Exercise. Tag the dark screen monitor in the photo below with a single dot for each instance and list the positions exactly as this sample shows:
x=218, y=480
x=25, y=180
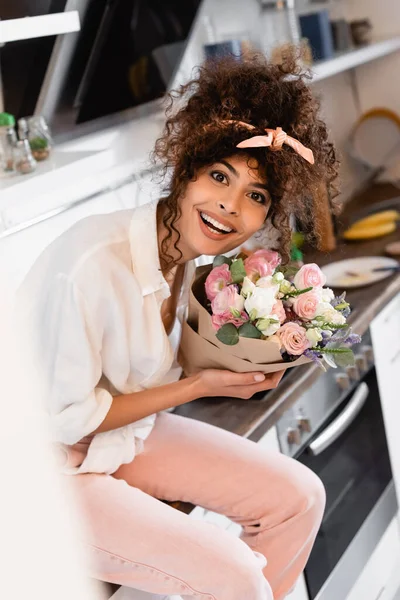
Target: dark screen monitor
x=123, y=58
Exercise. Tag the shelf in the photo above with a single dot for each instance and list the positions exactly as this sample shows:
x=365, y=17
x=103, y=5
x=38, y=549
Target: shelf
x=350, y=59
x=59, y=170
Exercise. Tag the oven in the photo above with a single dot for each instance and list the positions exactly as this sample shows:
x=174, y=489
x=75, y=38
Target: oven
x=336, y=429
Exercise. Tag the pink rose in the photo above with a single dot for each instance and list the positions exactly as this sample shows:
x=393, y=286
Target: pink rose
x=305, y=305
x=309, y=275
x=227, y=299
x=279, y=310
x=217, y=279
x=261, y=263
x=227, y=317
x=293, y=338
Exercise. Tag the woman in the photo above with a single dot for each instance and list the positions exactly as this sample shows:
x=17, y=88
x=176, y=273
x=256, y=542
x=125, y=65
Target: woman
x=107, y=301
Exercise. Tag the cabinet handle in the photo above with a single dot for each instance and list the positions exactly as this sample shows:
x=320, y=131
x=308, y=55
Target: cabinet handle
x=342, y=422
x=395, y=357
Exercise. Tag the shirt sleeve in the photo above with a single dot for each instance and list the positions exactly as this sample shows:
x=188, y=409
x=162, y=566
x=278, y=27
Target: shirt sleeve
x=70, y=339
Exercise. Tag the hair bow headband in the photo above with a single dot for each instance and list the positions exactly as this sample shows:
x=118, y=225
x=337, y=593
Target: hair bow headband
x=274, y=140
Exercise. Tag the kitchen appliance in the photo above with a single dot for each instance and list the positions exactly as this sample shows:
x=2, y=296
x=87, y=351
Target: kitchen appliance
x=336, y=429
x=115, y=68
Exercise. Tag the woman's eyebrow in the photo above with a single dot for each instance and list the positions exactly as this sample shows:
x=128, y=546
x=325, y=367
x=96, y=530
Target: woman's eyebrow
x=229, y=167
x=263, y=186
x=232, y=169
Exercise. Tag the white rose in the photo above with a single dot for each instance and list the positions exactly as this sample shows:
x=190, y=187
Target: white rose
x=247, y=287
x=325, y=294
x=266, y=327
x=267, y=282
x=338, y=318
x=314, y=335
x=259, y=303
x=329, y=314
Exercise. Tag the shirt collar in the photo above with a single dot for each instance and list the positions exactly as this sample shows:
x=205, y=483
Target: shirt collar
x=144, y=250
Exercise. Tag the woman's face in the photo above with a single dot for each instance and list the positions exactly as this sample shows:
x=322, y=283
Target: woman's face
x=222, y=208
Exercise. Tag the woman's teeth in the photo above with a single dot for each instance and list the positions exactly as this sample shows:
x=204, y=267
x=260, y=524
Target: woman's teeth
x=214, y=225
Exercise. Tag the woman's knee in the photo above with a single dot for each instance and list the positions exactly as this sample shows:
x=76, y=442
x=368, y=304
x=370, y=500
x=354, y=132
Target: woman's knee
x=306, y=490
x=286, y=490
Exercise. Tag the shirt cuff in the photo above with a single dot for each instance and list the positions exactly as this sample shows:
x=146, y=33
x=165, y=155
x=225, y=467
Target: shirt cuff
x=81, y=418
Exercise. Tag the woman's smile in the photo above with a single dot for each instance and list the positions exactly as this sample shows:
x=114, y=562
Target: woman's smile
x=214, y=226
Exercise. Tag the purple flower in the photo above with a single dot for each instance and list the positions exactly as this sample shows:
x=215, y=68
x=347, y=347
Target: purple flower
x=326, y=335
x=315, y=356
x=352, y=339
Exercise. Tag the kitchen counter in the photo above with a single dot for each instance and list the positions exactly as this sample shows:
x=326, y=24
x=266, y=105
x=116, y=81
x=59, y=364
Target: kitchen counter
x=252, y=418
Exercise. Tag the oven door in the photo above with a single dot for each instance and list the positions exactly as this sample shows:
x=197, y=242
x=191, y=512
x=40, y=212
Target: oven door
x=350, y=455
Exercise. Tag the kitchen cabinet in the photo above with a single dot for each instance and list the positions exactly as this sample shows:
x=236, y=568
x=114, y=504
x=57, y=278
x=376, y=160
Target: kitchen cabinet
x=385, y=333
x=19, y=250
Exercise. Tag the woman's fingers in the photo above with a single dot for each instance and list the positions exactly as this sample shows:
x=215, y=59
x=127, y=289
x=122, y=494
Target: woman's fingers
x=237, y=385
x=270, y=382
x=239, y=379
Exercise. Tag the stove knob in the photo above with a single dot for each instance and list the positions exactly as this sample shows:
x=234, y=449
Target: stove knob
x=304, y=424
x=343, y=381
x=293, y=436
x=353, y=372
x=368, y=352
x=361, y=362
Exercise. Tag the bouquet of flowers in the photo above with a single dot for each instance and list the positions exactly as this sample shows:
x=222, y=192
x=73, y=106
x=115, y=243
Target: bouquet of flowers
x=255, y=314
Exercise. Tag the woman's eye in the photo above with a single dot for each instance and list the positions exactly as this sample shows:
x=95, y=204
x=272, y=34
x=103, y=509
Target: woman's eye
x=218, y=176
x=257, y=197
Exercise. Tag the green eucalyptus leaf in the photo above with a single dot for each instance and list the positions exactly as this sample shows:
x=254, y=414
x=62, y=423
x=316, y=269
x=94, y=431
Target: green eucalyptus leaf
x=221, y=260
x=345, y=359
x=249, y=330
x=238, y=271
x=329, y=359
x=228, y=334
x=339, y=356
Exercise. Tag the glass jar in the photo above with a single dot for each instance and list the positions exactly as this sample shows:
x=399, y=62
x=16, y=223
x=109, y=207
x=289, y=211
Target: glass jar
x=278, y=26
x=39, y=138
x=24, y=160
x=8, y=140
x=23, y=129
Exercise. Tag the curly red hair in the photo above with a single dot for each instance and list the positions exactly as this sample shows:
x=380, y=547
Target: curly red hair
x=266, y=96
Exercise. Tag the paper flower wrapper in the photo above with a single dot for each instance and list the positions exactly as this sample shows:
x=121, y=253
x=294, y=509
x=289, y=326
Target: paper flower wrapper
x=201, y=349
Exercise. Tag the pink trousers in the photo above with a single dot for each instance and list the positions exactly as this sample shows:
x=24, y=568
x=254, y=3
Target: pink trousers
x=136, y=540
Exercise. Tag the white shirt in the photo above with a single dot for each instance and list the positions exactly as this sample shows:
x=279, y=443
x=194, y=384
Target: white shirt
x=94, y=308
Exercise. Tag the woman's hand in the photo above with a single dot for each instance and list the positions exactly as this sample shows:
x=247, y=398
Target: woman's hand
x=216, y=382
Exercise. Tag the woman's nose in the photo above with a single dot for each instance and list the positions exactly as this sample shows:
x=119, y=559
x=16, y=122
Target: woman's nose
x=230, y=205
